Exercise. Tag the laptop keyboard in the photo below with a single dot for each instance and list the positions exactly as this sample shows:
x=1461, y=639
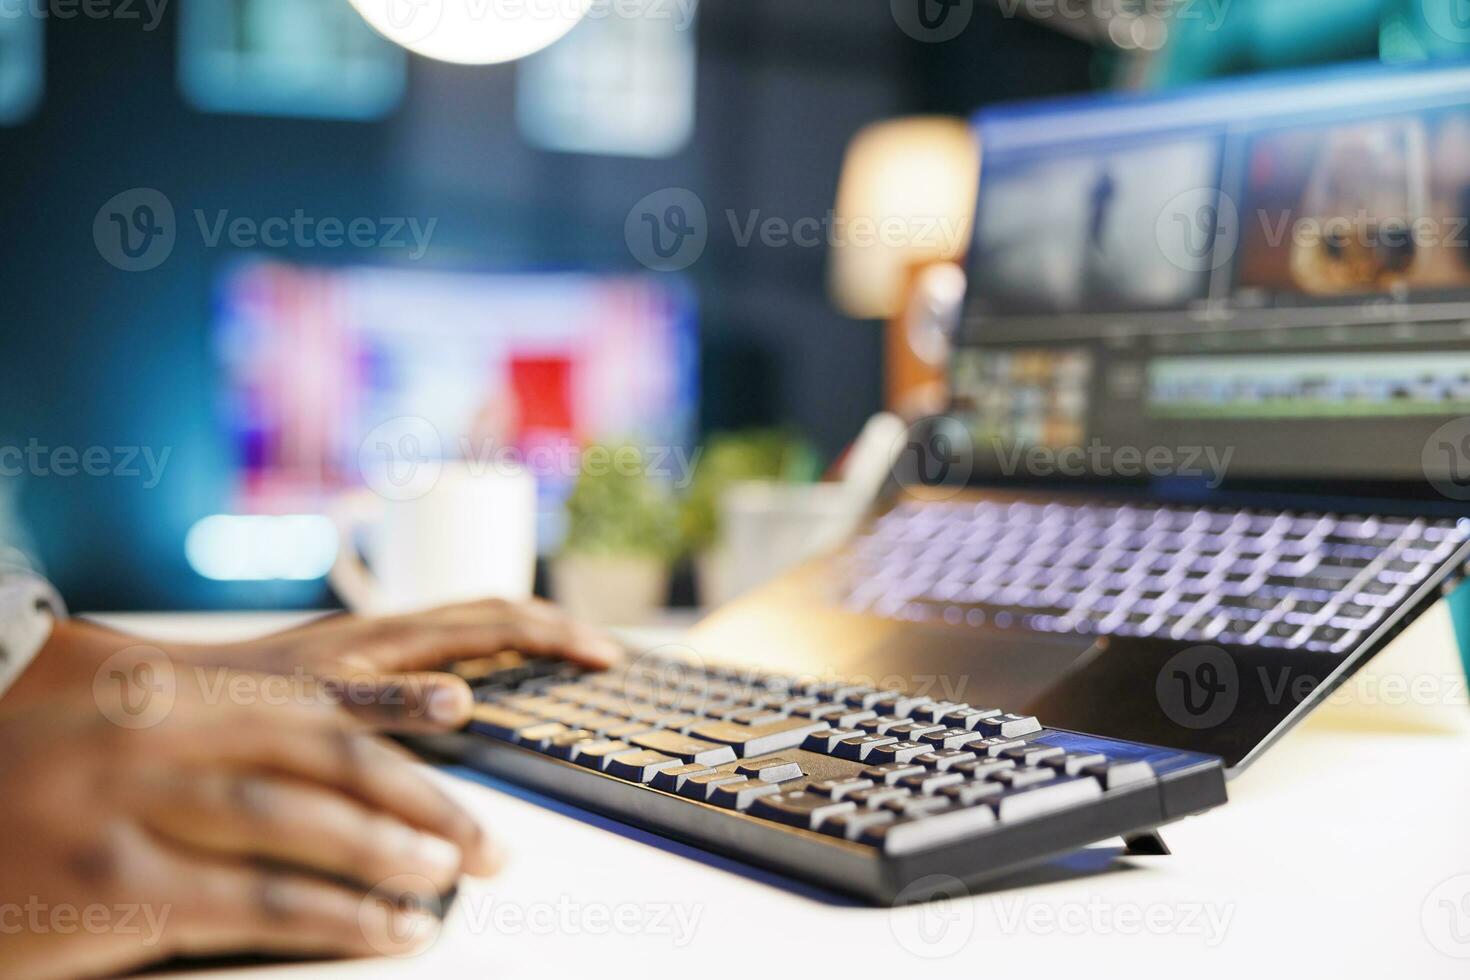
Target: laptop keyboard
x=897, y=773
x=1317, y=582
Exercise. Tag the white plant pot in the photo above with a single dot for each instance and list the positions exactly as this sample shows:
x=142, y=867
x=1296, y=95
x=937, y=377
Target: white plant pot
x=610, y=591
x=766, y=528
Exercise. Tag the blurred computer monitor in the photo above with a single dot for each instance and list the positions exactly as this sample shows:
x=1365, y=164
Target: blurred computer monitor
x=495, y=368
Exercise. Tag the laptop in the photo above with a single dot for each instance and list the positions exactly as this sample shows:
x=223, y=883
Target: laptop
x=1207, y=454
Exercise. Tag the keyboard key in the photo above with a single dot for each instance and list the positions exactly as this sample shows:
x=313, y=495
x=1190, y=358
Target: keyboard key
x=852, y=826
x=684, y=747
x=640, y=766
x=859, y=746
x=934, y=830
x=917, y=806
x=800, y=809
x=628, y=729
x=699, y=787
x=1017, y=778
x=837, y=715
x=739, y=794
x=761, y=739
x=1010, y=726
x=1074, y=763
x=992, y=746
x=942, y=760
x=826, y=742
x=839, y=789
x=1060, y=795
x=895, y=752
x=755, y=716
x=875, y=798
x=503, y=723
x=1117, y=775
x=672, y=780
x=950, y=738
x=934, y=711
x=1031, y=755
x=929, y=783
x=865, y=697
x=910, y=731
x=568, y=744
x=773, y=770
x=970, y=793
x=539, y=737
x=595, y=755
x=880, y=724
x=901, y=705
x=890, y=773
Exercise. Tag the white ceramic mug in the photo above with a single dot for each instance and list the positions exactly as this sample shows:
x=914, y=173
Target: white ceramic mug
x=470, y=535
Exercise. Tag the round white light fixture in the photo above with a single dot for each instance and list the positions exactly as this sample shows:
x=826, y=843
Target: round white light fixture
x=473, y=32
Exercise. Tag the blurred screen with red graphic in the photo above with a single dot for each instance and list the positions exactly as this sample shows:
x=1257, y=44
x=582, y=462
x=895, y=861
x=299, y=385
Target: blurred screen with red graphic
x=525, y=369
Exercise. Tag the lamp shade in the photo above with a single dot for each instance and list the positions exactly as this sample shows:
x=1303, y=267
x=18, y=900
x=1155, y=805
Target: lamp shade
x=473, y=32
x=906, y=198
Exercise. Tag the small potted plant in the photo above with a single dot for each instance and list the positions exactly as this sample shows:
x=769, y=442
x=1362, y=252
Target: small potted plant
x=622, y=536
x=729, y=461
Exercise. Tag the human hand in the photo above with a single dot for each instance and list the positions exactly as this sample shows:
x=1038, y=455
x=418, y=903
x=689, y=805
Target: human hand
x=389, y=667
x=219, y=826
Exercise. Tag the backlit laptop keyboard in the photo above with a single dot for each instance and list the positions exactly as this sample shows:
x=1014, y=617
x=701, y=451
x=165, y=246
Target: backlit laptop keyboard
x=1317, y=582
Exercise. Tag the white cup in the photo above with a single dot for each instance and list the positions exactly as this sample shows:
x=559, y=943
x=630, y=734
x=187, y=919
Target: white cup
x=470, y=535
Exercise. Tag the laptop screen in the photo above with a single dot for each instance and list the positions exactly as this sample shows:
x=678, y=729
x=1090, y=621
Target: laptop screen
x=1250, y=281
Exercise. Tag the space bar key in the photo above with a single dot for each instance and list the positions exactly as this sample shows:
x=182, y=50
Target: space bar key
x=753, y=740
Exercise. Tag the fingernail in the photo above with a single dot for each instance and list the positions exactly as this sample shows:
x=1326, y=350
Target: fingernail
x=437, y=854
x=448, y=706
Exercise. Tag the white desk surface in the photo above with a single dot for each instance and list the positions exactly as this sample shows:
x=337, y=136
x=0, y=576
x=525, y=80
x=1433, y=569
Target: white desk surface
x=1344, y=853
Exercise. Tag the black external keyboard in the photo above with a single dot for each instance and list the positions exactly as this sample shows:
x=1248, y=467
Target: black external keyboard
x=1315, y=582
x=861, y=790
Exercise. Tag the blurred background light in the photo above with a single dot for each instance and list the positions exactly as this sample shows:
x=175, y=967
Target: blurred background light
x=21, y=65
x=310, y=58
x=618, y=85
x=473, y=32
x=260, y=548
